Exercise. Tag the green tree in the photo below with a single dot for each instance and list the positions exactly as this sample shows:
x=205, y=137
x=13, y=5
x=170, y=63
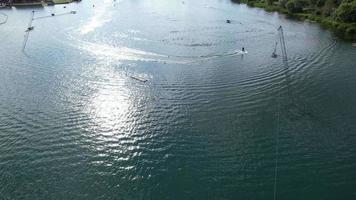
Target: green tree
x=313, y=2
x=329, y=7
x=320, y=3
x=295, y=6
x=283, y=3
x=346, y=11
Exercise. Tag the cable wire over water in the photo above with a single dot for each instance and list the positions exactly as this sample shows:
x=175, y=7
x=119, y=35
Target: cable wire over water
x=277, y=147
x=285, y=61
x=30, y=27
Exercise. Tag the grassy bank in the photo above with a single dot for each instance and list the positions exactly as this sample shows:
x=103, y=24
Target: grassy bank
x=344, y=30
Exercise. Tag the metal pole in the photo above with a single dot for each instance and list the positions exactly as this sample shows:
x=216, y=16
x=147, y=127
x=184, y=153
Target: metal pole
x=283, y=44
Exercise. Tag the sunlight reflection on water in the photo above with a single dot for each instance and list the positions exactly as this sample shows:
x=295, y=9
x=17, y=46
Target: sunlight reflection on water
x=101, y=17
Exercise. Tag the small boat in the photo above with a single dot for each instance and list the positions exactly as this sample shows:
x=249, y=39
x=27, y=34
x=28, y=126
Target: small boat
x=139, y=79
x=354, y=44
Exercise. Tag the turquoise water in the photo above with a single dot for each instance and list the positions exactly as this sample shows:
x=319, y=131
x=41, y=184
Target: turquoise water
x=74, y=124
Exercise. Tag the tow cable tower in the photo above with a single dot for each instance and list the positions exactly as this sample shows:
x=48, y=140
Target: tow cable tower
x=283, y=44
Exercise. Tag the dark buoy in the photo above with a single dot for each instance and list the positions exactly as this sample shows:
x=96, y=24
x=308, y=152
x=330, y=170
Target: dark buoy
x=228, y=21
x=53, y=14
x=30, y=29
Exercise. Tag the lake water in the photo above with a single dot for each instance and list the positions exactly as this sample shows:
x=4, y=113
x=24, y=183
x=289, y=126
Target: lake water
x=76, y=124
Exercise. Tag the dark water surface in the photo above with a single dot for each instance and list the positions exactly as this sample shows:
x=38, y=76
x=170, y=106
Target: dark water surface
x=75, y=125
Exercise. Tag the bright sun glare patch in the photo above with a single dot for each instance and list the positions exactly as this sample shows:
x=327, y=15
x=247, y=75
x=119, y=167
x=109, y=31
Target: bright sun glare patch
x=107, y=52
x=101, y=17
x=110, y=106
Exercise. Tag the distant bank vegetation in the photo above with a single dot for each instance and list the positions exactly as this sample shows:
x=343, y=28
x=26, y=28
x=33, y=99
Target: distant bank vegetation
x=33, y=2
x=340, y=15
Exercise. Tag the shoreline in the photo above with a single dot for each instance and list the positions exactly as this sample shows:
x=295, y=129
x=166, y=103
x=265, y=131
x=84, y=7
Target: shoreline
x=41, y=3
x=342, y=30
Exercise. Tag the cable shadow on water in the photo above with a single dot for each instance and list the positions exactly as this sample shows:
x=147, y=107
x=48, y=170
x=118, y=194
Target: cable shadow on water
x=298, y=107
x=297, y=111
x=5, y=18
